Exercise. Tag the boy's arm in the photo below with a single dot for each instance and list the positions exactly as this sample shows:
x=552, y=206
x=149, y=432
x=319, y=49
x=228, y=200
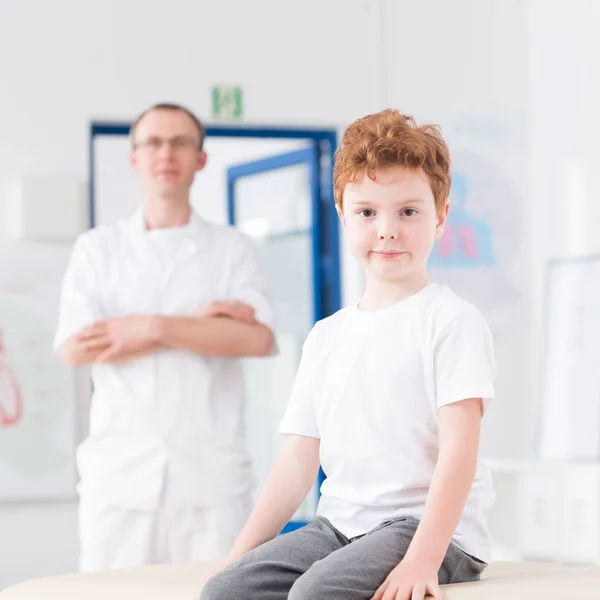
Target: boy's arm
x=296, y=470
x=464, y=372
x=285, y=489
x=459, y=432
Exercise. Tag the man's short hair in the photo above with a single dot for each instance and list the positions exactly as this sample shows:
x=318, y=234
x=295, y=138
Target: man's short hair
x=171, y=106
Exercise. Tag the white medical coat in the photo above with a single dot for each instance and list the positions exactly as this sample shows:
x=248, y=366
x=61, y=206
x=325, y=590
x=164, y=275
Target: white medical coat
x=171, y=411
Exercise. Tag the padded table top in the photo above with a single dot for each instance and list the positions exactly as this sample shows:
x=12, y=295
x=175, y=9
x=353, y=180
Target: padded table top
x=501, y=581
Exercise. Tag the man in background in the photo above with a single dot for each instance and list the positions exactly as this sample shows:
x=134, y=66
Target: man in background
x=162, y=306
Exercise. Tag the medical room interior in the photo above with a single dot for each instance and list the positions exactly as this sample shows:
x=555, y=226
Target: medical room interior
x=515, y=90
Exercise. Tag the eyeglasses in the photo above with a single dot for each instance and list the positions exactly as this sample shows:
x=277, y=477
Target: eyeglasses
x=178, y=144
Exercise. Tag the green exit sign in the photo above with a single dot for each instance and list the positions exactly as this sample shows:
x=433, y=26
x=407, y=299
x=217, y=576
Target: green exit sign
x=227, y=102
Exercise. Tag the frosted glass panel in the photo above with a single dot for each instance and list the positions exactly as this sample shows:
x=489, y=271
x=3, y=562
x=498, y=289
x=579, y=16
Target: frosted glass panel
x=274, y=209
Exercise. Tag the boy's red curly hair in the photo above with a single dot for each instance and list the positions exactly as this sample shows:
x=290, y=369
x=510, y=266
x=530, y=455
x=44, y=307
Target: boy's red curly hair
x=391, y=139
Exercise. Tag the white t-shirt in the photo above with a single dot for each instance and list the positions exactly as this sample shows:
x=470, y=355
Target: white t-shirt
x=369, y=387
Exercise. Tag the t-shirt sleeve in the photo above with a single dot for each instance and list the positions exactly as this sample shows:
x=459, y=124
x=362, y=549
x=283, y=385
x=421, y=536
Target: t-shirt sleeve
x=79, y=298
x=248, y=283
x=300, y=416
x=464, y=360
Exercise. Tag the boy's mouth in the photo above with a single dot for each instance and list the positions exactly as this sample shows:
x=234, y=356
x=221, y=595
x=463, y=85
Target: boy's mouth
x=388, y=253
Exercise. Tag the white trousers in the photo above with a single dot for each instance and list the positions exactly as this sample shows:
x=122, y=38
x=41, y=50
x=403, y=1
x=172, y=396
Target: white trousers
x=116, y=538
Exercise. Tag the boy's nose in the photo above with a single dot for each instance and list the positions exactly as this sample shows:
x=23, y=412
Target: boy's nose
x=387, y=227
x=388, y=231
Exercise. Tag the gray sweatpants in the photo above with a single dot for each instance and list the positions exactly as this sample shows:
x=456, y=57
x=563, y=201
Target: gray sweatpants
x=318, y=562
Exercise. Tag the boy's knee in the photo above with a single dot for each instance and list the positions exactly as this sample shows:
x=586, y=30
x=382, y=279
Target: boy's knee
x=223, y=586
x=310, y=586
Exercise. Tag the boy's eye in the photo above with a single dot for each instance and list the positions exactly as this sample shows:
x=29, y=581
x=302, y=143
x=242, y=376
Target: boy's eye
x=409, y=212
x=367, y=212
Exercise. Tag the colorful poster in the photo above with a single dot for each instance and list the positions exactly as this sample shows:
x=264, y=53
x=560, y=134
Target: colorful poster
x=483, y=234
x=37, y=393
x=485, y=256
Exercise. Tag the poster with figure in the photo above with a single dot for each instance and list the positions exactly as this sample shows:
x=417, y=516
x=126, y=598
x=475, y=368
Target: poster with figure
x=37, y=392
x=11, y=395
x=484, y=256
x=482, y=234
x=467, y=240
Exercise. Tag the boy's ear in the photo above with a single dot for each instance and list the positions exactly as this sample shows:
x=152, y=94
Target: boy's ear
x=441, y=220
x=340, y=214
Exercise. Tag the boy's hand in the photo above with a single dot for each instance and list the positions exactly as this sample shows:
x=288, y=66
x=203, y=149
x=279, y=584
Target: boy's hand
x=222, y=565
x=410, y=581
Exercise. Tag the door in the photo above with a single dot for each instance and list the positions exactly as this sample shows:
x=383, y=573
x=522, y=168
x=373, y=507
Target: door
x=277, y=201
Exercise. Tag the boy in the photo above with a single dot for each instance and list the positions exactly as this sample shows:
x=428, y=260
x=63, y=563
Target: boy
x=388, y=398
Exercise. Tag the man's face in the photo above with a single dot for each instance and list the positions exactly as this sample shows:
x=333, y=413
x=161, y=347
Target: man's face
x=166, y=152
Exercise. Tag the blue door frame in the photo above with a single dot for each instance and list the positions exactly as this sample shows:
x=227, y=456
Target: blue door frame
x=326, y=255
x=325, y=144
x=308, y=156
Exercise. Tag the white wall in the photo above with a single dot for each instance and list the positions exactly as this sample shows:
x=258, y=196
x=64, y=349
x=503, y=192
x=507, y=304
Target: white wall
x=463, y=64
x=65, y=63
x=564, y=96
x=39, y=537
x=37, y=540
x=107, y=60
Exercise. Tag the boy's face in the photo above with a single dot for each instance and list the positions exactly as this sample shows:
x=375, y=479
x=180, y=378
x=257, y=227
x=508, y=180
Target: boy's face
x=392, y=223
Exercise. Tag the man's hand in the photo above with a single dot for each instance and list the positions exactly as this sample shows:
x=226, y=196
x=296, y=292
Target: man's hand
x=119, y=337
x=410, y=581
x=130, y=337
x=234, y=309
